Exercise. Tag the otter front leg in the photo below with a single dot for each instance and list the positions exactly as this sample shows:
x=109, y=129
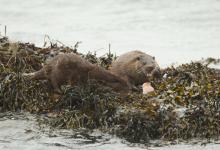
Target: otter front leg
x=131, y=86
x=56, y=85
x=135, y=88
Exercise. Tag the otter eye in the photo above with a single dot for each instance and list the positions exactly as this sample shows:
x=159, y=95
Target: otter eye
x=153, y=58
x=138, y=58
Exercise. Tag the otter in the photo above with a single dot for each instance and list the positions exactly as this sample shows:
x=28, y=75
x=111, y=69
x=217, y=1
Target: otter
x=73, y=69
x=136, y=68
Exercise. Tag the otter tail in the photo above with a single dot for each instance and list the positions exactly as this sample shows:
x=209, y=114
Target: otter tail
x=38, y=75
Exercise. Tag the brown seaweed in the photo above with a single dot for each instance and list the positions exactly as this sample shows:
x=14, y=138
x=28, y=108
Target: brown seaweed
x=193, y=87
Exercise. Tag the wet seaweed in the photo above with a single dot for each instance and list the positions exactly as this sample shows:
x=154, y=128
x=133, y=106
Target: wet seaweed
x=184, y=105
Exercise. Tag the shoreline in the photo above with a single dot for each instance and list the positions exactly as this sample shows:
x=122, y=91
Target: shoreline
x=26, y=134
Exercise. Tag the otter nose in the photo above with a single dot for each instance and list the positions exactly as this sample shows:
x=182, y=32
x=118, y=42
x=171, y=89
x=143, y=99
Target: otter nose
x=156, y=73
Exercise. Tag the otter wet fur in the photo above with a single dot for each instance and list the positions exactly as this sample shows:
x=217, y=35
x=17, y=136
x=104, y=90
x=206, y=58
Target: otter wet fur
x=136, y=68
x=73, y=69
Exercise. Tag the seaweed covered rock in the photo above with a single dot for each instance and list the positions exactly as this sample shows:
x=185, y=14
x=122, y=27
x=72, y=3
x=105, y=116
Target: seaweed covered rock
x=17, y=93
x=185, y=103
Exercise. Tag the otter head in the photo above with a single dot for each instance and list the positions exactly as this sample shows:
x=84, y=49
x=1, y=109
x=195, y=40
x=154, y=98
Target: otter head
x=147, y=65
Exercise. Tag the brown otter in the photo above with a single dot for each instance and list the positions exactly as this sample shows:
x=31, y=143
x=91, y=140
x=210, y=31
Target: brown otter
x=135, y=67
x=73, y=69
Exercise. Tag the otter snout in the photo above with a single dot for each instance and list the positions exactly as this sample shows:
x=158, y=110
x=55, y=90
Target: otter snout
x=156, y=73
x=152, y=71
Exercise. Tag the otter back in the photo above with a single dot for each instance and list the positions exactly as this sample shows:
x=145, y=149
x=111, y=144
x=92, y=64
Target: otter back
x=73, y=69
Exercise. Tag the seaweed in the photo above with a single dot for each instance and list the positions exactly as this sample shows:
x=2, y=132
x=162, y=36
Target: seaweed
x=184, y=105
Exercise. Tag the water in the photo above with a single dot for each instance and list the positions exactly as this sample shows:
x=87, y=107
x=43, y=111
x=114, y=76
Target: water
x=171, y=30
x=17, y=133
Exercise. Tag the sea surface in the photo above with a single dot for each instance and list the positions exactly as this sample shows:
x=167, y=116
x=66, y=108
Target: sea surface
x=174, y=31
x=22, y=132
